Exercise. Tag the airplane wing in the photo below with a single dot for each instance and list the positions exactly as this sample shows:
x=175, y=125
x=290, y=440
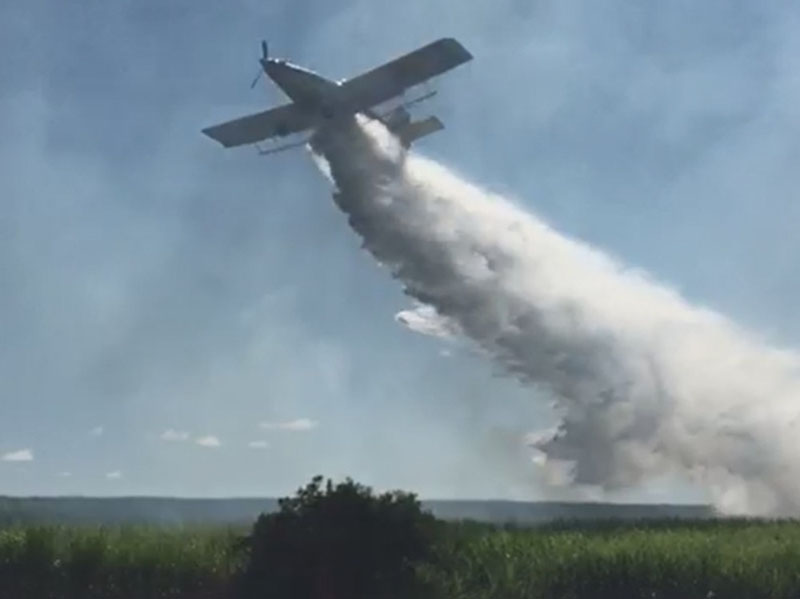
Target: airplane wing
x=393, y=78
x=276, y=122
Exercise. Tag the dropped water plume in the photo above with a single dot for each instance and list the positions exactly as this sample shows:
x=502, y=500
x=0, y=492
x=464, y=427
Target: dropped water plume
x=644, y=383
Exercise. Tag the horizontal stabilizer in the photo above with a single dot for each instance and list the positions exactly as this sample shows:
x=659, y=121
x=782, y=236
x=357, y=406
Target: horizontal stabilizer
x=417, y=129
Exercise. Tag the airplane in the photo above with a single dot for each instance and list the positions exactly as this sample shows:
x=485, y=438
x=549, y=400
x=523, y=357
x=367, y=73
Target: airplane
x=318, y=102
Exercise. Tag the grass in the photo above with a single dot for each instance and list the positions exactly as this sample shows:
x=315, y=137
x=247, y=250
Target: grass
x=657, y=560
x=654, y=560
x=117, y=562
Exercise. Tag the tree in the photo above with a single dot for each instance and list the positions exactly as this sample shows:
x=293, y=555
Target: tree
x=340, y=542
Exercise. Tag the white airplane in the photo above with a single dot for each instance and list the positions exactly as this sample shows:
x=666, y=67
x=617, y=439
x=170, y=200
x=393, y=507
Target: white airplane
x=318, y=102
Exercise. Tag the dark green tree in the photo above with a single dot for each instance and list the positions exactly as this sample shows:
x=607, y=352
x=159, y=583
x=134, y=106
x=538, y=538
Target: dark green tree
x=339, y=542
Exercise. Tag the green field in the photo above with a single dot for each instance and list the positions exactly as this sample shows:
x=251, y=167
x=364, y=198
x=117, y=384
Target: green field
x=110, y=562
x=667, y=559
x=661, y=559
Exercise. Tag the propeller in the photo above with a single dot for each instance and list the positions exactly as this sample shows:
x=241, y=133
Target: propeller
x=264, y=55
x=253, y=84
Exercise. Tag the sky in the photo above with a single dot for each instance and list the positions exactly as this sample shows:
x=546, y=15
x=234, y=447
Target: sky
x=180, y=319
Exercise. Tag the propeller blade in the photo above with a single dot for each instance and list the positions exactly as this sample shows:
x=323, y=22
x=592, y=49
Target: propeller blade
x=253, y=84
x=264, y=54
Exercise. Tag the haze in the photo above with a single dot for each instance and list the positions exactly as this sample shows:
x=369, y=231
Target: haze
x=177, y=319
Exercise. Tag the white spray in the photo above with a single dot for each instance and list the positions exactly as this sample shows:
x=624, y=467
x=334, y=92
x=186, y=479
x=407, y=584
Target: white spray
x=645, y=383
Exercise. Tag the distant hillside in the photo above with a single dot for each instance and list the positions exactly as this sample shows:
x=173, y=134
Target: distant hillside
x=163, y=510
x=546, y=511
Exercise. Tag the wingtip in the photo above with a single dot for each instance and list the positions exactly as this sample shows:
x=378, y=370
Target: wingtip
x=209, y=132
x=456, y=48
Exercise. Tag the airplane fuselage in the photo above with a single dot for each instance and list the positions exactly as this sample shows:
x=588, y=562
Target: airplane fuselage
x=307, y=89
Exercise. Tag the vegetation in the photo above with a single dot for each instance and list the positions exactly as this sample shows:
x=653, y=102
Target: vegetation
x=123, y=562
x=341, y=541
x=655, y=560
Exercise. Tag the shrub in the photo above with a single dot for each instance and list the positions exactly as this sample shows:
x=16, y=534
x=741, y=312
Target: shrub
x=340, y=542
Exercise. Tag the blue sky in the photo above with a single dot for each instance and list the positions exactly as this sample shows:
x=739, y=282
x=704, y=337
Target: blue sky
x=151, y=281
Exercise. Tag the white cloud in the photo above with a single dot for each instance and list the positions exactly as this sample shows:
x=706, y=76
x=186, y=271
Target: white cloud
x=299, y=424
x=175, y=436
x=258, y=445
x=21, y=455
x=209, y=441
x=97, y=431
x=114, y=475
x=65, y=474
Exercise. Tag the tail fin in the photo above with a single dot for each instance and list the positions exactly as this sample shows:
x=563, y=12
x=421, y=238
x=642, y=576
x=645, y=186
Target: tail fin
x=413, y=131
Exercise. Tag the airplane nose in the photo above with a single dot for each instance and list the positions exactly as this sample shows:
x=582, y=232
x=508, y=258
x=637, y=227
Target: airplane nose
x=271, y=65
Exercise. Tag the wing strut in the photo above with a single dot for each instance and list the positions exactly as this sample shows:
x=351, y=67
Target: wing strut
x=283, y=148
